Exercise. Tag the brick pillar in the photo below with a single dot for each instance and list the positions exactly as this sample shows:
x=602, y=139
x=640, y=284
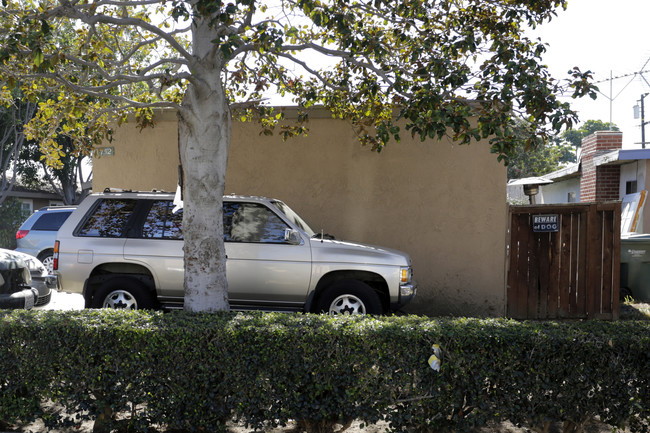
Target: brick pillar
x=600, y=183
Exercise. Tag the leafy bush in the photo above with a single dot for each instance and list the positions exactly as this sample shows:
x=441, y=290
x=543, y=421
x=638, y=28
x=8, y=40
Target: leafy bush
x=196, y=372
x=11, y=217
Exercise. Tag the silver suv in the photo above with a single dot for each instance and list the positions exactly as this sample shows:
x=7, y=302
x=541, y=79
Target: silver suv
x=125, y=250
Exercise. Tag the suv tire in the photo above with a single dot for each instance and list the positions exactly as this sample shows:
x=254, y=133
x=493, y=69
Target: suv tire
x=350, y=297
x=123, y=293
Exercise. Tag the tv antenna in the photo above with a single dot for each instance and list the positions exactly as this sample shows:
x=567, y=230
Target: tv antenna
x=611, y=79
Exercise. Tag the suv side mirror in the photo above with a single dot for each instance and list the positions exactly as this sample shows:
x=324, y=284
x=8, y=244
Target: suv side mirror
x=292, y=236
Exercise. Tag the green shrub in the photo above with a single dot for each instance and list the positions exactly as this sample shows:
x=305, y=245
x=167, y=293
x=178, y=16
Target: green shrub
x=196, y=372
x=12, y=216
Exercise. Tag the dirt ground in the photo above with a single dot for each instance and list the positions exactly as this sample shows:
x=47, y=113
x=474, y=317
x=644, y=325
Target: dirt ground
x=356, y=427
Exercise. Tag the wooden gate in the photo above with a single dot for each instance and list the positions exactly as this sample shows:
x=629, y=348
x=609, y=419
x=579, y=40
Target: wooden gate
x=569, y=273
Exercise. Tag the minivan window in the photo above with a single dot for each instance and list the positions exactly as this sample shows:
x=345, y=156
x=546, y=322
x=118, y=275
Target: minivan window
x=109, y=219
x=51, y=221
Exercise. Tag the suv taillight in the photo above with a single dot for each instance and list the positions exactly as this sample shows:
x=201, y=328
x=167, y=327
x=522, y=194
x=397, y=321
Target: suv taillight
x=21, y=234
x=55, y=256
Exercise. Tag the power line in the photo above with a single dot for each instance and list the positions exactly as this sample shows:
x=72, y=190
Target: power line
x=624, y=75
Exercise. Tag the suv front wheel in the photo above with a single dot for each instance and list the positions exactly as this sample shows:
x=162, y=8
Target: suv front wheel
x=350, y=297
x=123, y=293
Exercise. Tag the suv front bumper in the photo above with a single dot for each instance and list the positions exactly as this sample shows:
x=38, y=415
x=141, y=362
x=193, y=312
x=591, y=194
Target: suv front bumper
x=406, y=293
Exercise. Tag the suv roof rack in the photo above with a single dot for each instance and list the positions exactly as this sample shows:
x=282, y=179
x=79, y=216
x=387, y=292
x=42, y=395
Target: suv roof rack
x=57, y=207
x=116, y=190
x=107, y=190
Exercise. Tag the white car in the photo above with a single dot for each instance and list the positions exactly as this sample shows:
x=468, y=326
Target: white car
x=42, y=280
x=125, y=250
x=15, y=280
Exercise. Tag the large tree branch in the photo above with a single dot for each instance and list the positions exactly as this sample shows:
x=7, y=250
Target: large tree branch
x=73, y=12
x=332, y=53
x=126, y=56
x=122, y=79
x=103, y=92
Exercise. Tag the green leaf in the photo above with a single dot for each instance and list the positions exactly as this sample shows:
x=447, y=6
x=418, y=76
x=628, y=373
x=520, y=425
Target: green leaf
x=38, y=57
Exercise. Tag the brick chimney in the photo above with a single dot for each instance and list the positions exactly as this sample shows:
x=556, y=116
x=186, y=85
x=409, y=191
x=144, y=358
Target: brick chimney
x=600, y=183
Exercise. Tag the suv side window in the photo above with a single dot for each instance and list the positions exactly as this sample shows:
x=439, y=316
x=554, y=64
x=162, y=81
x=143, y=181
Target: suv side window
x=51, y=221
x=251, y=222
x=161, y=223
x=108, y=219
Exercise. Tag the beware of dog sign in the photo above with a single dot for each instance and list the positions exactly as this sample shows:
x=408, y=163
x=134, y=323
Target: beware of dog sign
x=546, y=223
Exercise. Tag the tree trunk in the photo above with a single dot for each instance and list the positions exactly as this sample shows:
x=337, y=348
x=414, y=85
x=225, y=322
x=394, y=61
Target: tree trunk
x=204, y=131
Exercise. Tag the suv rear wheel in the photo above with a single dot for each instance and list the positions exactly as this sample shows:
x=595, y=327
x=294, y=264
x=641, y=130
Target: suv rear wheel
x=350, y=297
x=123, y=293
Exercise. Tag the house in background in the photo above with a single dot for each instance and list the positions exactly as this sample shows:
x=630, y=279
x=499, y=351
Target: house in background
x=34, y=199
x=605, y=172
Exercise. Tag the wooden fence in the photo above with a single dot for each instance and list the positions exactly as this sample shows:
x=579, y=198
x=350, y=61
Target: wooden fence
x=564, y=261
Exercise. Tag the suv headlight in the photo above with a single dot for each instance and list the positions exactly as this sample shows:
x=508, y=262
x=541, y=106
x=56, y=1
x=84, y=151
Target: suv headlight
x=405, y=275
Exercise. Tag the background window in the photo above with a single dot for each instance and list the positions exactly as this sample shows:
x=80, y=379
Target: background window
x=630, y=187
x=27, y=206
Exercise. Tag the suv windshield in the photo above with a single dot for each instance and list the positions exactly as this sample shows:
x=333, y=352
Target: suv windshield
x=293, y=217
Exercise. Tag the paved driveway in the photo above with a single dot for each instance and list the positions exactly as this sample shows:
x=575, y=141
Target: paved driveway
x=64, y=301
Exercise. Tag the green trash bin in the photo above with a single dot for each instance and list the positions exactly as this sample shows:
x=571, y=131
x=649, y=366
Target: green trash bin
x=635, y=267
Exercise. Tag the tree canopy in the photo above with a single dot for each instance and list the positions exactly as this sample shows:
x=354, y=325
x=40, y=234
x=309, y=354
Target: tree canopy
x=24, y=164
x=545, y=157
x=428, y=68
x=575, y=135
x=12, y=140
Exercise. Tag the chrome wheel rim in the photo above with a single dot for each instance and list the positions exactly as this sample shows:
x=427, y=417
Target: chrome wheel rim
x=347, y=304
x=48, y=262
x=120, y=299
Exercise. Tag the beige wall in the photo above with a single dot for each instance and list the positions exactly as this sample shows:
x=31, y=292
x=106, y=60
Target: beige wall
x=442, y=203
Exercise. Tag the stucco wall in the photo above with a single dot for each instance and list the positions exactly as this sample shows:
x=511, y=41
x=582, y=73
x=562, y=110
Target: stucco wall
x=442, y=203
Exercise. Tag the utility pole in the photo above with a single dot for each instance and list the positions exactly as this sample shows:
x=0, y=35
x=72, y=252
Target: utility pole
x=643, y=122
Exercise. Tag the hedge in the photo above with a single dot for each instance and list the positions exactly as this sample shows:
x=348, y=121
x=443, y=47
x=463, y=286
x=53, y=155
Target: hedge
x=197, y=372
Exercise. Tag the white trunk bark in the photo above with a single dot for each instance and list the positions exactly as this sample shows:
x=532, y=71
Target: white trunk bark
x=204, y=131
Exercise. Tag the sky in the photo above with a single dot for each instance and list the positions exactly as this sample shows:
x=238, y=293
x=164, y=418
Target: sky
x=610, y=38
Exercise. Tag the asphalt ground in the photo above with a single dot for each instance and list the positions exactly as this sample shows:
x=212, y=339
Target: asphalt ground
x=64, y=301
